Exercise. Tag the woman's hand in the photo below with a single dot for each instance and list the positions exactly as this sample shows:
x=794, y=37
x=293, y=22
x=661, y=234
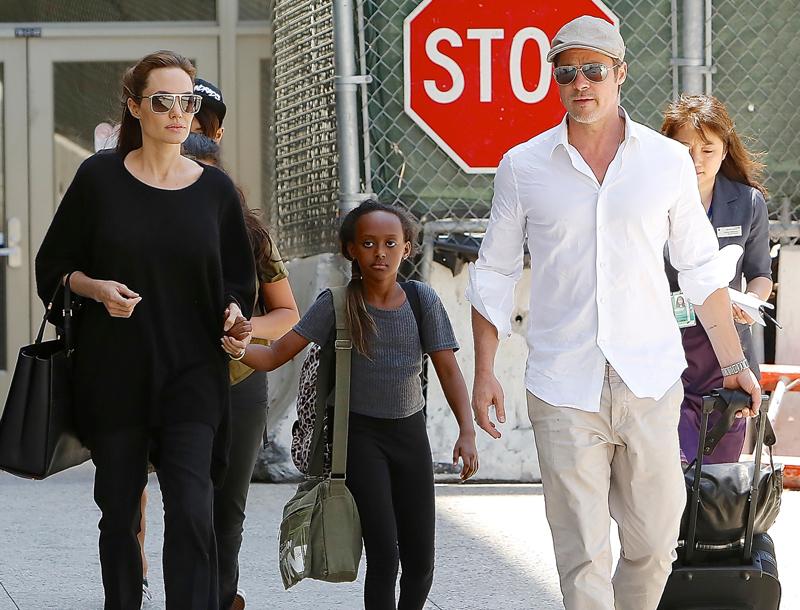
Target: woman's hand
x=232, y=313
x=235, y=347
x=118, y=299
x=466, y=450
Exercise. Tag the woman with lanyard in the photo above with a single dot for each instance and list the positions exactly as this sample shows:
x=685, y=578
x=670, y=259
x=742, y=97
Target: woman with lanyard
x=156, y=246
x=728, y=177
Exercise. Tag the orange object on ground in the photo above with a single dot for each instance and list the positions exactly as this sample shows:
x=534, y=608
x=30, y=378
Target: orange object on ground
x=771, y=374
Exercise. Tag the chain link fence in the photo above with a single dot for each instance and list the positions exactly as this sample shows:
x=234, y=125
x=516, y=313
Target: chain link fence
x=755, y=44
x=755, y=75
x=304, y=199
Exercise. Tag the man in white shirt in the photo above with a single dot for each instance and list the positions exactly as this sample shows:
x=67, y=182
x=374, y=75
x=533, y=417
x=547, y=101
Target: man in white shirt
x=597, y=197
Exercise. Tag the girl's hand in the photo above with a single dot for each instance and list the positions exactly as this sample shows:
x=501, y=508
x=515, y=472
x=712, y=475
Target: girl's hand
x=740, y=316
x=240, y=329
x=466, y=450
x=235, y=347
x=232, y=313
x=118, y=299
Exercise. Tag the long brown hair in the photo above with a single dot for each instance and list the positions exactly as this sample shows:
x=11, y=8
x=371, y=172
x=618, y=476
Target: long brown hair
x=134, y=82
x=358, y=317
x=706, y=113
x=257, y=230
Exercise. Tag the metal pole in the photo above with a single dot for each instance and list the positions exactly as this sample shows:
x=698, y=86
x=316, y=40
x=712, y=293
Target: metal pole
x=709, y=51
x=692, y=70
x=346, y=82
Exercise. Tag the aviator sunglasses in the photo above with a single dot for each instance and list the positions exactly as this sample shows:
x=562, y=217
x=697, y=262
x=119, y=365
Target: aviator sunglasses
x=594, y=72
x=161, y=103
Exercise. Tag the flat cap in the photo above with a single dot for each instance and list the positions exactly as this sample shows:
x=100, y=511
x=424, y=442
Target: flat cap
x=588, y=33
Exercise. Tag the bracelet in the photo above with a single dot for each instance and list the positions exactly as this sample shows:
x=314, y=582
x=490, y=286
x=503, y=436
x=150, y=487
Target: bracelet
x=735, y=368
x=240, y=356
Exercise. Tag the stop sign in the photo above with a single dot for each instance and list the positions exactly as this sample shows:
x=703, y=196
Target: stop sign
x=476, y=77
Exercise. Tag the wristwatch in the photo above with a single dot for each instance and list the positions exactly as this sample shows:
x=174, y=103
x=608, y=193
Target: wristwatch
x=735, y=368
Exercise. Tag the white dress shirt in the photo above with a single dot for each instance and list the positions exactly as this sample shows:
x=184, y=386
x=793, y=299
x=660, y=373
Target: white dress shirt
x=598, y=287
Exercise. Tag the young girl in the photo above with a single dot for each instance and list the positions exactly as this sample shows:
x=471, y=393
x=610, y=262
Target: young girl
x=728, y=177
x=389, y=468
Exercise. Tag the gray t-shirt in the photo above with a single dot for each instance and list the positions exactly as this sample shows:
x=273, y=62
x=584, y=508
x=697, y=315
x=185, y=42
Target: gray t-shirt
x=388, y=385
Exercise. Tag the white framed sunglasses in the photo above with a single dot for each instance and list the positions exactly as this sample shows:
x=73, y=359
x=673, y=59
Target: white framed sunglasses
x=161, y=103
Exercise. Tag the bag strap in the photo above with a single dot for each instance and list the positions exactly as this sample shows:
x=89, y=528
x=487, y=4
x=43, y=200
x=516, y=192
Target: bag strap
x=343, y=347
x=67, y=314
x=412, y=294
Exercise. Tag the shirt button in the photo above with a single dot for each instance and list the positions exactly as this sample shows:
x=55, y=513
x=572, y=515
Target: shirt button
x=602, y=300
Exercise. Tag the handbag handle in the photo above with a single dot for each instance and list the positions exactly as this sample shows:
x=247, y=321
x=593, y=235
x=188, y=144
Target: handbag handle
x=67, y=314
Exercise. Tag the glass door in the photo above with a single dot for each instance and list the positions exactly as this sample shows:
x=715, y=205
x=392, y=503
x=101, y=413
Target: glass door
x=15, y=262
x=74, y=87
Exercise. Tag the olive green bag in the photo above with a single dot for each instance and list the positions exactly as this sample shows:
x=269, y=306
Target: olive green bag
x=320, y=535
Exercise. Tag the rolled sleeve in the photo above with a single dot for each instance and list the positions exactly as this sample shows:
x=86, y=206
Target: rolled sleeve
x=693, y=248
x=499, y=266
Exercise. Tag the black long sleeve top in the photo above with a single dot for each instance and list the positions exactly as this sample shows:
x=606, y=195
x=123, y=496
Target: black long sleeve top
x=187, y=254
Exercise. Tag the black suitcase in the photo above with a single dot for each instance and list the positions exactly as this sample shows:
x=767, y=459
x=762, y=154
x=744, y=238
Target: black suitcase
x=735, y=576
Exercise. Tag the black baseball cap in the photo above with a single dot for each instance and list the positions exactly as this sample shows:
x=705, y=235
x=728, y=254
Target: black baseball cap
x=212, y=97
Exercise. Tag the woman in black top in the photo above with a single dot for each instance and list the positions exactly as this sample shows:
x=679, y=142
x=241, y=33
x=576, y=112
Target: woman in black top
x=156, y=244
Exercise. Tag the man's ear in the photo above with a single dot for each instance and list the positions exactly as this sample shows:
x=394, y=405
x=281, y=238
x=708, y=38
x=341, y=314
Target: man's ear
x=218, y=136
x=406, y=250
x=622, y=73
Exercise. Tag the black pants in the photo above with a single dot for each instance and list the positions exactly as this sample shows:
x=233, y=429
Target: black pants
x=390, y=474
x=190, y=559
x=248, y=419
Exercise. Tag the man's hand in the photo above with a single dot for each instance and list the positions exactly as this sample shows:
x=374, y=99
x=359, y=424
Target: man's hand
x=118, y=299
x=747, y=382
x=740, y=317
x=487, y=391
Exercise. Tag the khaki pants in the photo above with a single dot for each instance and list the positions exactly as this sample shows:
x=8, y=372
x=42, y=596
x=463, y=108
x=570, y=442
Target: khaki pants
x=621, y=463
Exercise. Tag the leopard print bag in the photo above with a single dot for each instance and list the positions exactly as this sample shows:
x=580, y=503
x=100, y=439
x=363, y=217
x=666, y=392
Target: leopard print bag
x=303, y=428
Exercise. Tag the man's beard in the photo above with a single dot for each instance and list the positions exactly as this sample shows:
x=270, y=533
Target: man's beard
x=586, y=117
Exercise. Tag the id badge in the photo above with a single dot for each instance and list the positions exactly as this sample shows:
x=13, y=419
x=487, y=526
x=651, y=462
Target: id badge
x=683, y=310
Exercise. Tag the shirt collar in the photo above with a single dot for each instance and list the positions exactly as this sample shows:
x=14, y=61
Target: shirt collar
x=632, y=132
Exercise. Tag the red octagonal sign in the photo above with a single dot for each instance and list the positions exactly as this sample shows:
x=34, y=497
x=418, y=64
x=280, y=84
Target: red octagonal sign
x=476, y=78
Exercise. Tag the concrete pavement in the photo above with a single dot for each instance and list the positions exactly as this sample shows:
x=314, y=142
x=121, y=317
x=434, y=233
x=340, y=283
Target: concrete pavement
x=493, y=549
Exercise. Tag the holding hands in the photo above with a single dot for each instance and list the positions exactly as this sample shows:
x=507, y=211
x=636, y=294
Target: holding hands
x=238, y=332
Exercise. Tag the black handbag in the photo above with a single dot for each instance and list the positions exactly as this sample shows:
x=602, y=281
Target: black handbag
x=728, y=502
x=38, y=435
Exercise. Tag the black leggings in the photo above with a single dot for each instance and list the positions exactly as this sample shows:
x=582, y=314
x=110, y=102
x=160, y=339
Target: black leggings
x=248, y=418
x=390, y=474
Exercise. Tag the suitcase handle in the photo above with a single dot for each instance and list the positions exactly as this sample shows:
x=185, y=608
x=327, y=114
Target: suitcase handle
x=729, y=402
